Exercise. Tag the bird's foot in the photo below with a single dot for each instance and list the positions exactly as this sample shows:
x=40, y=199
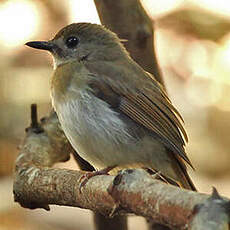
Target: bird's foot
x=159, y=176
x=84, y=179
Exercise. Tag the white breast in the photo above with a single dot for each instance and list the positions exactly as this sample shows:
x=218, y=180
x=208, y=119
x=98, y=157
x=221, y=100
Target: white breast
x=93, y=128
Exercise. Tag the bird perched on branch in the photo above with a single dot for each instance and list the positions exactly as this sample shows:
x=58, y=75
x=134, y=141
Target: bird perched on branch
x=115, y=114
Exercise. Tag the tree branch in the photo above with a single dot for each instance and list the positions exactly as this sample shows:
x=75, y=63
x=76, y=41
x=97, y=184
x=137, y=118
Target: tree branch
x=212, y=214
x=36, y=185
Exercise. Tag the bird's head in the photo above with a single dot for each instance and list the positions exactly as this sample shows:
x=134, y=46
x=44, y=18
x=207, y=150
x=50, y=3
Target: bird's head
x=82, y=41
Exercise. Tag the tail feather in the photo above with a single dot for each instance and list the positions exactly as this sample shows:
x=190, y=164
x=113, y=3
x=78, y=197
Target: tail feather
x=184, y=179
x=187, y=182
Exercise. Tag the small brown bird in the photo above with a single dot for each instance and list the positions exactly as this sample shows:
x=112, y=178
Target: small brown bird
x=115, y=114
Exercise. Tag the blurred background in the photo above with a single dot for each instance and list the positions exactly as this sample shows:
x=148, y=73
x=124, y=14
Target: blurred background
x=193, y=48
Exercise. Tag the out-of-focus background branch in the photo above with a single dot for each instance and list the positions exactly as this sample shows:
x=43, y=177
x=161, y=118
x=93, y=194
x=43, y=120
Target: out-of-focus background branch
x=193, y=50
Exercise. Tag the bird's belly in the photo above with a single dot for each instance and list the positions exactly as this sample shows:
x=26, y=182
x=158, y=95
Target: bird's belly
x=95, y=131
x=102, y=138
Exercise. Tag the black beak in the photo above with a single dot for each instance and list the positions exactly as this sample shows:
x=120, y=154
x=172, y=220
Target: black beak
x=43, y=45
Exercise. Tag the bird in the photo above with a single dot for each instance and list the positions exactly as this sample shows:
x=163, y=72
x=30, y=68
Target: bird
x=114, y=113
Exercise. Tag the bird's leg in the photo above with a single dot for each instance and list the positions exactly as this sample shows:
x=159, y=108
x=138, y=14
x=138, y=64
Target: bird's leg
x=156, y=174
x=84, y=179
x=159, y=176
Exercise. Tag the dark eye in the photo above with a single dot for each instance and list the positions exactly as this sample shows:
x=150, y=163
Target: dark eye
x=71, y=42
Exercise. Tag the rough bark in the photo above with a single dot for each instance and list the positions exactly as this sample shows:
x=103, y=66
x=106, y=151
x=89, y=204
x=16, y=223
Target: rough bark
x=36, y=185
x=212, y=214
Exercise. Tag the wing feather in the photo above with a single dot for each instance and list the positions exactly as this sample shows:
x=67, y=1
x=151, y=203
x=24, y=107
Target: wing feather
x=144, y=101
